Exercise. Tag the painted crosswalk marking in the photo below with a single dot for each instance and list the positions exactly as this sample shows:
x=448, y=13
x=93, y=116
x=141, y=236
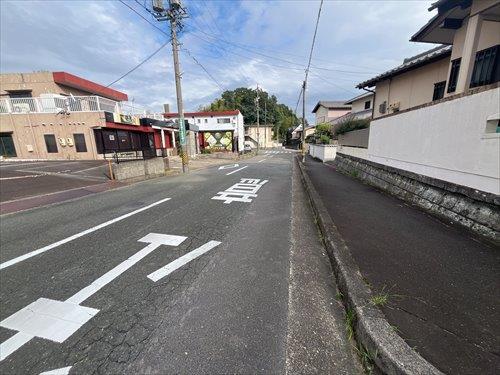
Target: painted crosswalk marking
x=243, y=191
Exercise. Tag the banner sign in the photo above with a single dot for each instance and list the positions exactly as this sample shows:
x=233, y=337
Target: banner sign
x=218, y=141
x=126, y=119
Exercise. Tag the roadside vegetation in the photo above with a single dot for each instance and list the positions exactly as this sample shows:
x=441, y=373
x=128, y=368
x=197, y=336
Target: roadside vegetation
x=350, y=124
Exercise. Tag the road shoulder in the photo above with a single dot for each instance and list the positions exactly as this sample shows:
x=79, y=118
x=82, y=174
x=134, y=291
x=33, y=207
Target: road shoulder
x=316, y=339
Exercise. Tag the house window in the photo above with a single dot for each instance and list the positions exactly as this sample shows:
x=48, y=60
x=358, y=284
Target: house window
x=438, y=90
x=223, y=120
x=367, y=104
x=50, y=143
x=455, y=68
x=80, y=144
x=486, y=67
x=206, y=121
x=15, y=94
x=198, y=120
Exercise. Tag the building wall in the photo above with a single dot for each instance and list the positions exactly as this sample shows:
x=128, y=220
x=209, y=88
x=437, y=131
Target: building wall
x=38, y=83
x=209, y=123
x=451, y=141
x=489, y=37
x=28, y=133
x=265, y=133
x=321, y=115
x=412, y=88
x=359, y=105
x=334, y=113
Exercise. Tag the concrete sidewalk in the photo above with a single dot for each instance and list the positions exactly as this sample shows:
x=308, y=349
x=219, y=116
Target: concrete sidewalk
x=442, y=285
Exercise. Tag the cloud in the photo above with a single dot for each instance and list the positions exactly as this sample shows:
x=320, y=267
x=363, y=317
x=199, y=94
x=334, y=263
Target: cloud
x=241, y=43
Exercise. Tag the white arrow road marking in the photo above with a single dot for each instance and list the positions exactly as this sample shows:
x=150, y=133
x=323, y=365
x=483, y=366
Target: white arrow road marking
x=56, y=320
x=237, y=170
x=229, y=166
x=78, y=235
x=57, y=371
x=260, y=161
x=179, y=262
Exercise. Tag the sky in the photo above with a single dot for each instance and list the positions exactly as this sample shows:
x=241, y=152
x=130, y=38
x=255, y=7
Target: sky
x=239, y=43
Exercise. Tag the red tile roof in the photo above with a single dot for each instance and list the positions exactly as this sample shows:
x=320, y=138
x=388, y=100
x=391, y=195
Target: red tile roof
x=203, y=114
x=71, y=80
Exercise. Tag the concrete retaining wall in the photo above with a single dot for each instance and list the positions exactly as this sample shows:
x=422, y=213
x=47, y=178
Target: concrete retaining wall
x=323, y=152
x=473, y=209
x=140, y=169
x=355, y=138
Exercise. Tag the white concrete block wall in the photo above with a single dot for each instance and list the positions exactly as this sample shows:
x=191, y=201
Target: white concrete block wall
x=450, y=141
x=323, y=152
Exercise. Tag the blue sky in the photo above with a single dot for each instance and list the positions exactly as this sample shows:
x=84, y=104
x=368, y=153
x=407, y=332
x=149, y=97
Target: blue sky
x=240, y=43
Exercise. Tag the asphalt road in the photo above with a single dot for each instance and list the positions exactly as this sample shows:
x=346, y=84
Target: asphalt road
x=93, y=308
x=31, y=178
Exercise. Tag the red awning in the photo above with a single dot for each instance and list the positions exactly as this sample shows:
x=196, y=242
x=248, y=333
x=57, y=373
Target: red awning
x=73, y=81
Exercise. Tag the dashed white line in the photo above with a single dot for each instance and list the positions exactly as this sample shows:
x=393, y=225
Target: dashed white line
x=179, y=262
x=237, y=170
x=260, y=161
x=78, y=235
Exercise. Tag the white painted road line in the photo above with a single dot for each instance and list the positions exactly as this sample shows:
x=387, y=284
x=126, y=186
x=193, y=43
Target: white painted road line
x=260, y=161
x=241, y=192
x=237, y=170
x=56, y=320
x=78, y=235
x=179, y=262
x=57, y=371
x=229, y=166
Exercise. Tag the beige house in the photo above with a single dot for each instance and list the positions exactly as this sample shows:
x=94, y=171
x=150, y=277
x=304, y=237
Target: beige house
x=438, y=114
x=326, y=110
x=265, y=135
x=468, y=57
x=57, y=115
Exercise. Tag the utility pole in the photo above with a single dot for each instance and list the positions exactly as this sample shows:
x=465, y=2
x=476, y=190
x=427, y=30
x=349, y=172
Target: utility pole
x=258, y=122
x=304, y=122
x=174, y=14
x=265, y=121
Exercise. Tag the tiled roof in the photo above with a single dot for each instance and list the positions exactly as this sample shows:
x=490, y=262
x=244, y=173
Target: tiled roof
x=333, y=104
x=409, y=64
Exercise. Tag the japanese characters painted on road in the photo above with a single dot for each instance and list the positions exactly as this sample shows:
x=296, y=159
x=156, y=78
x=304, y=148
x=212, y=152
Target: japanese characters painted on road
x=58, y=320
x=243, y=191
x=229, y=166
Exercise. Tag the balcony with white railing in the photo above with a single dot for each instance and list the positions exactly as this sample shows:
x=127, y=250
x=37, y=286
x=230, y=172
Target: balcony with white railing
x=58, y=104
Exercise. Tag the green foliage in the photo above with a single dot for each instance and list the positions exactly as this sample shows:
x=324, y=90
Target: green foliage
x=324, y=139
x=351, y=124
x=243, y=99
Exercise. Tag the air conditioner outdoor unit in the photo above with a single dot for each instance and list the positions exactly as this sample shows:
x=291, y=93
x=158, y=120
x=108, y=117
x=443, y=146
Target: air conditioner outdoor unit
x=382, y=107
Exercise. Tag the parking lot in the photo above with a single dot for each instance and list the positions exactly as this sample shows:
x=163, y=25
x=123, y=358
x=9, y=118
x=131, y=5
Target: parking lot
x=34, y=178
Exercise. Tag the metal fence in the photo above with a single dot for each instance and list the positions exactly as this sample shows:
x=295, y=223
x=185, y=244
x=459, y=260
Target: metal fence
x=131, y=155
x=56, y=104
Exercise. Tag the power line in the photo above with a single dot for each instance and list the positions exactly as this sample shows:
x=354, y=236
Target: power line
x=144, y=18
x=141, y=63
x=252, y=50
x=205, y=69
x=314, y=40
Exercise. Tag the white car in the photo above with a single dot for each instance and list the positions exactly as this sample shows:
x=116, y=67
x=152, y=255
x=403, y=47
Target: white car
x=247, y=148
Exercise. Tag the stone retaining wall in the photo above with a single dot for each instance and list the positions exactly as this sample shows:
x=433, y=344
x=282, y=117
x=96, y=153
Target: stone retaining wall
x=140, y=169
x=473, y=209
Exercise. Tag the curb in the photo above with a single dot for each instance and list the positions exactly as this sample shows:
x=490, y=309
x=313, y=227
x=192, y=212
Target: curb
x=392, y=354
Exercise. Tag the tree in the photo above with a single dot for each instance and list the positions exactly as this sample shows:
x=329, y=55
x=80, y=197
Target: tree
x=271, y=112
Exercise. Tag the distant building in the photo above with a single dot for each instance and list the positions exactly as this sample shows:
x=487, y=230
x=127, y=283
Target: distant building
x=57, y=115
x=216, y=131
x=266, y=133
x=326, y=111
